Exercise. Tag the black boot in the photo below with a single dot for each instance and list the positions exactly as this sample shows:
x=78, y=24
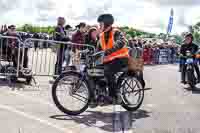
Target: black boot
x=93, y=103
x=183, y=73
x=117, y=97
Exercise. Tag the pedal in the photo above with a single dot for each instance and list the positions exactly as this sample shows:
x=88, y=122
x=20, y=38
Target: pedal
x=93, y=105
x=106, y=101
x=101, y=101
x=26, y=72
x=146, y=89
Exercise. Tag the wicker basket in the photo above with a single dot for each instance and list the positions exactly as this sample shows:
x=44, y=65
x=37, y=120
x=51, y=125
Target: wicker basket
x=135, y=64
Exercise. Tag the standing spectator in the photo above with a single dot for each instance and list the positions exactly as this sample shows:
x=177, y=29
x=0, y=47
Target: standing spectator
x=60, y=35
x=168, y=52
x=150, y=60
x=5, y=29
x=173, y=53
x=11, y=48
x=68, y=28
x=140, y=43
x=176, y=59
x=133, y=49
x=134, y=41
x=36, y=43
x=139, y=50
x=154, y=53
x=79, y=36
x=146, y=54
x=91, y=37
x=1, y=30
x=157, y=53
x=161, y=53
x=130, y=42
x=68, y=52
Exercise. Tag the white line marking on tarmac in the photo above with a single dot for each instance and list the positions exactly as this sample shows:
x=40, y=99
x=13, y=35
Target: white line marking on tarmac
x=10, y=109
x=33, y=99
x=150, y=105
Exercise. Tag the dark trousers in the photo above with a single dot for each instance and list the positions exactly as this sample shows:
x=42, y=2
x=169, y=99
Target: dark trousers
x=60, y=59
x=20, y=54
x=112, y=68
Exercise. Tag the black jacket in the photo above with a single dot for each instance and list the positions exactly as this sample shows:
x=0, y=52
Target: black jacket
x=193, y=48
x=60, y=34
x=8, y=42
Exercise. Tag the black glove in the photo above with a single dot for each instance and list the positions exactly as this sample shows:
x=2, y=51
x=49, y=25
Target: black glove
x=108, y=52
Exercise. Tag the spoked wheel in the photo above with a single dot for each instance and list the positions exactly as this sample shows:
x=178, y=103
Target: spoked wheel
x=132, y=93
x=70, y=93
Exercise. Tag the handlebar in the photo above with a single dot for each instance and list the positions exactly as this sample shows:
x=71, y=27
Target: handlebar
x=195, y=55
x=84, y=51
x=181, y=56
x=99, y=53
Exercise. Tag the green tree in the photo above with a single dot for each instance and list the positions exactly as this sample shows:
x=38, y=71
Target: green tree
x=178, y=39
x=196, y=36
x=196, y=32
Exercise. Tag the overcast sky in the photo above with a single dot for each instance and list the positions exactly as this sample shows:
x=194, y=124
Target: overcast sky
x=148, y=15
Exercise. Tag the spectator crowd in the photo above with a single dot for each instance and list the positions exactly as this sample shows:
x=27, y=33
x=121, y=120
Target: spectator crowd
x=152, y=52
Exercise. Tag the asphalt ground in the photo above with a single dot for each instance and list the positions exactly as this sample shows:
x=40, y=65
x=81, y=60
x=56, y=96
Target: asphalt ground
x=167, y=108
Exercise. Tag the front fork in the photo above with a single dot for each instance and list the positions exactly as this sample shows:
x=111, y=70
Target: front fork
x=77, y=85
x=190, y=68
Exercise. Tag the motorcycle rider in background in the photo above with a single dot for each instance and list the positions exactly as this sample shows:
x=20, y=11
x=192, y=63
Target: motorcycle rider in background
x=193, y=48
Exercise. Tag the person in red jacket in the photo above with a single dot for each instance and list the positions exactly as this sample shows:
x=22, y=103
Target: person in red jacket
x=79, y=36
x=146, y=54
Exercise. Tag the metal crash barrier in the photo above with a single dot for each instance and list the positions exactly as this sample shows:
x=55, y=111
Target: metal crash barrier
x=52, y=59
x=38, y=57
x=10, y=54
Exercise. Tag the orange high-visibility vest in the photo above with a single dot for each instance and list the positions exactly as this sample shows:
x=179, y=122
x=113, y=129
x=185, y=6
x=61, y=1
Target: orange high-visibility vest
x=121, y=53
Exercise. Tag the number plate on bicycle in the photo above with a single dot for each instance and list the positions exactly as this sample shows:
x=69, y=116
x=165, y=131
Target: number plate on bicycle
x=96, y=72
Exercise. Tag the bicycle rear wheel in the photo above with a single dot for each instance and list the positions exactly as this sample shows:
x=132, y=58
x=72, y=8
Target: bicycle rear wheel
x=132, y=93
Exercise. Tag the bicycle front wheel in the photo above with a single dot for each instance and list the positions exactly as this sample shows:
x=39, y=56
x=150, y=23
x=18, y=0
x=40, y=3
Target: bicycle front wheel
x=70, y=93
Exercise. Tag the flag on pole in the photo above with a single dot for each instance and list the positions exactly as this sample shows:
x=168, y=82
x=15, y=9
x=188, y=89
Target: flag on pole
x=170, y=24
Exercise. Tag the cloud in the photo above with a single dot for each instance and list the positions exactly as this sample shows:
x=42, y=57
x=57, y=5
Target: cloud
x=45, y=5
x=151, y=15
x=92, y=12
x=5, y=5
x=175, y=2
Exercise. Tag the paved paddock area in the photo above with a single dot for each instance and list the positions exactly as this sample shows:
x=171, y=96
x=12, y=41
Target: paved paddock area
x=167, y=108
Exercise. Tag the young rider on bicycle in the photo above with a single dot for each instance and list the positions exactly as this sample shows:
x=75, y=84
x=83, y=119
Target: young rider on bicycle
x=112, y=42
